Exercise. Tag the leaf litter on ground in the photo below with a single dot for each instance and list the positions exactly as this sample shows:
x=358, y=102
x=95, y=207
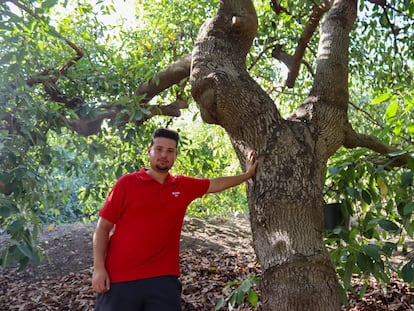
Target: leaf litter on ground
x=216, y=257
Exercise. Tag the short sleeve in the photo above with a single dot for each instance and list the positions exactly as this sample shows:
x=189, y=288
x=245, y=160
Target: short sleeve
x=198, y=186
x=112, y=208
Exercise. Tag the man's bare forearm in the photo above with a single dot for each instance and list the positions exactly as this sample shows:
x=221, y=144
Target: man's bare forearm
x=100, y=243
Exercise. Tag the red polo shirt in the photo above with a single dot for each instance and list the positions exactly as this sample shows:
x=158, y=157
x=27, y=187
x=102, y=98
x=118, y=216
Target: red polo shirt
x=148, y=217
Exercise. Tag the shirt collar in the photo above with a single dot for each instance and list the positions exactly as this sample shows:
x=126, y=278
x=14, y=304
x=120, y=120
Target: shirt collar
x=143, y=175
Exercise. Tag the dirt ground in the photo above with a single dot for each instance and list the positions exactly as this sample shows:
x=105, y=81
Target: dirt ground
x=68, y=247
x=214, y=252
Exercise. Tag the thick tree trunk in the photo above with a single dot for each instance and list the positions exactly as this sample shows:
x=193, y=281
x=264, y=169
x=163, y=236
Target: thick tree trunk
x=287, y=225
x=285, y=197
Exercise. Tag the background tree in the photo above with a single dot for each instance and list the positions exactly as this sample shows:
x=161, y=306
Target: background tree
x=58, y=79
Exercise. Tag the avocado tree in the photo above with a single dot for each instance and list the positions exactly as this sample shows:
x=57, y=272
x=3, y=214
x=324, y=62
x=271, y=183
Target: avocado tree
x=286, y=196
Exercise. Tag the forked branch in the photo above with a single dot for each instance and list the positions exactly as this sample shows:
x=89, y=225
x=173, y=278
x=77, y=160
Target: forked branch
x=293, y=62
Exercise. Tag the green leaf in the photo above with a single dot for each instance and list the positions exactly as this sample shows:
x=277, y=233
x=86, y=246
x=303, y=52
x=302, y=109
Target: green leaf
x=388, y=248
x=382, y=185
x=410, y=163
x=48, y=4
x=352, y=192
x=219, y=304
x=145, y=111
x=410, y=129
x=232, y=283
x=245, y=285
x=363, y=289
x=138, y=115
x=25, y=250
x=240, y=296
x=123, y=100
x=364, y=262
x=397, y=153
x=407, y=272
x=372, y=251
x=381, y=98
x=389, y=225
x=233, y=298
x=253, y=298
x=408, y=209
x=392, y=109
x=15, y=227
x=408, y=226
x=366, y=197
x=119, y=172
x=7, y=209
x=52, y=31
x=409, y=102
x=334, y=170
x=384, y=20
x=349, y=268
x=407, y=179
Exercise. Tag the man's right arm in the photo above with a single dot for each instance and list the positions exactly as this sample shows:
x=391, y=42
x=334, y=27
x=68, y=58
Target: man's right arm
x=224, y=182
x=100, y=277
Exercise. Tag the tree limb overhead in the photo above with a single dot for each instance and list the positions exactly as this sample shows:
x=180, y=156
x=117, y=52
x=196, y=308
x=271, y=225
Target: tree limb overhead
x=293, y=62
x=164, y=79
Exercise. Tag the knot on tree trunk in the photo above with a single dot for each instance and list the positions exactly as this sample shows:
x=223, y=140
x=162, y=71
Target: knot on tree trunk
x=219, y=56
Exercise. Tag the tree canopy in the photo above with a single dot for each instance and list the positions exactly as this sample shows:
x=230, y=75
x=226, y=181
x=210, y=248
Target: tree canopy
x=79, y=98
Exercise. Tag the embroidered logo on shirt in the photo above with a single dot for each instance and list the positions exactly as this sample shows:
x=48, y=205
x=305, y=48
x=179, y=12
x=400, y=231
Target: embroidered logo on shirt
x=176, y=193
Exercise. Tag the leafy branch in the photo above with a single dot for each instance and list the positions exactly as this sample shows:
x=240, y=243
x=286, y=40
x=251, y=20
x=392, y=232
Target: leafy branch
x=88, y=125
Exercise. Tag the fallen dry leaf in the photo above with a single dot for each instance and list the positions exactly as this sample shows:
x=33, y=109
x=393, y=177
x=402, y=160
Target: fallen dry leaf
x=214, y=253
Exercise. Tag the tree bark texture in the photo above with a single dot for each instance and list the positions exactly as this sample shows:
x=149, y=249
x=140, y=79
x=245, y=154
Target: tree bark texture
x=285, y=197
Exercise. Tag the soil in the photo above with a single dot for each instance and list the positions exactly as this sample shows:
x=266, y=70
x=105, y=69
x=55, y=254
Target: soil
x=68, y=247
x=214, y=252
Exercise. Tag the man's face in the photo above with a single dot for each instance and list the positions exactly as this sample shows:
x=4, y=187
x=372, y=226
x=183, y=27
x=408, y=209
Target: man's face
x=162, y=154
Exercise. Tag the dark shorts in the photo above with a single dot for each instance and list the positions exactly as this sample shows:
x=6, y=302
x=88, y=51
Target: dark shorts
x=152, y=294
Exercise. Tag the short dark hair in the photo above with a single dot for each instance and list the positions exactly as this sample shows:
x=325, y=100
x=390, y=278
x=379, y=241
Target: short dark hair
x=166, y=133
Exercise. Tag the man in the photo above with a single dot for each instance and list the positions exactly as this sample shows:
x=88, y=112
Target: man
x=137, y=239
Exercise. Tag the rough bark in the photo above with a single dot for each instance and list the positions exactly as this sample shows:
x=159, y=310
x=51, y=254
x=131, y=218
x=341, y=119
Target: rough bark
x=285, y=197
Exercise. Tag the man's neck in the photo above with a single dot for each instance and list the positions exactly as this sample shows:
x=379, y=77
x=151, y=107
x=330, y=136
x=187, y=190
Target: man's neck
x=158, y=176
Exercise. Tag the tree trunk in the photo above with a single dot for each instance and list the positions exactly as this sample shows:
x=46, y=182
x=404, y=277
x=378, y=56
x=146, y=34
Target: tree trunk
x=285, y=197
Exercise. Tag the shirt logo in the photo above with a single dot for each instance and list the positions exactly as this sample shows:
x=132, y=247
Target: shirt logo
x=176, y=193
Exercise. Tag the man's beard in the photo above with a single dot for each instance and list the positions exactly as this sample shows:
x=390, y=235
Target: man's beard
x=162, y=168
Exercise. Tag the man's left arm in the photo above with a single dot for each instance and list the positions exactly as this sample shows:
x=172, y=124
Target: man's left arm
x=222, y=183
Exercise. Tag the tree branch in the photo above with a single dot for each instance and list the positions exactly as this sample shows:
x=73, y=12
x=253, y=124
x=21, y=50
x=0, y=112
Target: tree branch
x=49, y=77
x=172, y=110
x=382, y=3
x=277, y=8
x=164, y=79
x=293, y=62
x=161, y=81
x=78, y=50
x=354, y=140
x=86, y=125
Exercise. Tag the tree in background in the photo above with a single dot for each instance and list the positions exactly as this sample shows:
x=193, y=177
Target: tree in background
x=93, y=92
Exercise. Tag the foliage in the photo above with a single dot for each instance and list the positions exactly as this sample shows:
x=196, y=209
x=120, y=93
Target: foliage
x=377, y=200
x=379, y=205
x=206, y=151
x=38, y=146
x=244, y=291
